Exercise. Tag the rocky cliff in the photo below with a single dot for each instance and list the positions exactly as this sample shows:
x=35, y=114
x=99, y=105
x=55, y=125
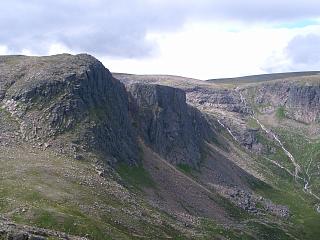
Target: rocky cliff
x=226, y=106
x=52, y=97
x=65, y=94
x=299, y=100
x=168, y=124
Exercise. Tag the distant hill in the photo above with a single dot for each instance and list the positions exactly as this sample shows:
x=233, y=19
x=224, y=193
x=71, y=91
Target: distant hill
x=263, y=77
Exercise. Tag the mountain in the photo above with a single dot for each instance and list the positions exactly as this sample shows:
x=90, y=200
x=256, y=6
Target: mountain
x=86, y=154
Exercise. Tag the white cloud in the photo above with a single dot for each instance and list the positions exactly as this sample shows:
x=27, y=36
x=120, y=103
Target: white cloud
x=3, y=50
x=209, y=50
x=57, y=48
x=301, y=53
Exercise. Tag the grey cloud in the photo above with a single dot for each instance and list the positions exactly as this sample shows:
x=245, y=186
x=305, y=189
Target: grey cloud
x=301, y=54
x=119, y=27
x=304, y=49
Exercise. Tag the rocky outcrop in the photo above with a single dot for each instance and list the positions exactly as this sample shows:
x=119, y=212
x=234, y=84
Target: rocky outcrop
x=300, y=101
x=212, y=99
x=76, y=96
x=254, y=203
x=65, y=94
x=228, y=107
x=241, y=133
x=168, y=124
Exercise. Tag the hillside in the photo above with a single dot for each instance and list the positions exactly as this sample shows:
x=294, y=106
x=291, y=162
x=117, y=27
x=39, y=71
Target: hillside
x=264, y=77
x=86, y=154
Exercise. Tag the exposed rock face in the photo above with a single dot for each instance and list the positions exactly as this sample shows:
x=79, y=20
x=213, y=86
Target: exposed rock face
x=300, y=101
x=172, y=128
x=224, y=99
x=50, y=96
x=228, y=107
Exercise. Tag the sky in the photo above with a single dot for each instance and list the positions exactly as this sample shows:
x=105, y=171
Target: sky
x=202, y=39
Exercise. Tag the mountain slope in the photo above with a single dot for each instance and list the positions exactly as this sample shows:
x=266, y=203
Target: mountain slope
x=84, y=155
x=275, y=122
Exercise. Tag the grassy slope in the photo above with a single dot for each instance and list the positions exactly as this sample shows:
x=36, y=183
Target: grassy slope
x=48, y=190
x=304, y=222
x=287, y=191
x=282, y=189
x=52, y=191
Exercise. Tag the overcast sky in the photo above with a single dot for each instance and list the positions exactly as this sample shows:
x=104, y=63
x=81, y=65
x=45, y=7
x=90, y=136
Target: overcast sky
x=195, y=38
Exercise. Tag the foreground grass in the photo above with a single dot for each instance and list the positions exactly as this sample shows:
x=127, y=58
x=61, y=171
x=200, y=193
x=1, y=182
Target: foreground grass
x=51, y=191
x=42, y=189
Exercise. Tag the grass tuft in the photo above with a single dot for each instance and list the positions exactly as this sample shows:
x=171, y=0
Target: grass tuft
x=281, y=113
x=185, y=168
x=136, y=176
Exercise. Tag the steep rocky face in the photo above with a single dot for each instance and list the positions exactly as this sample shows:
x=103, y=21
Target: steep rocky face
x=50, y=96
x=225, y=104
x=224, y=99
x=300, y=101
x=166, y=123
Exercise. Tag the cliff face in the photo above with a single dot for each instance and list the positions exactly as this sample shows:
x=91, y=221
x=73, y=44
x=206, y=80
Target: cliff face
x=300, y=101
x=50, y=96
x=171, y=127
x=77, y=96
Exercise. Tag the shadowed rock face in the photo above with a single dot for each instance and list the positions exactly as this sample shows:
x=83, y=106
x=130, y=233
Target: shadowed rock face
x=50, y=96
x=171, y=127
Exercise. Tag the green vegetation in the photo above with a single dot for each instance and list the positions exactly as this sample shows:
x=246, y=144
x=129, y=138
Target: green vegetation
x=63, y=194
x=69, y=221
x=269, y=231
x=274, y=152
x=280, y=113
x=252, y=123
x=285, y=190
x=303, y=215
x=216, y=231
x=185, y=168
x=136, y=176
x=305, y=151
